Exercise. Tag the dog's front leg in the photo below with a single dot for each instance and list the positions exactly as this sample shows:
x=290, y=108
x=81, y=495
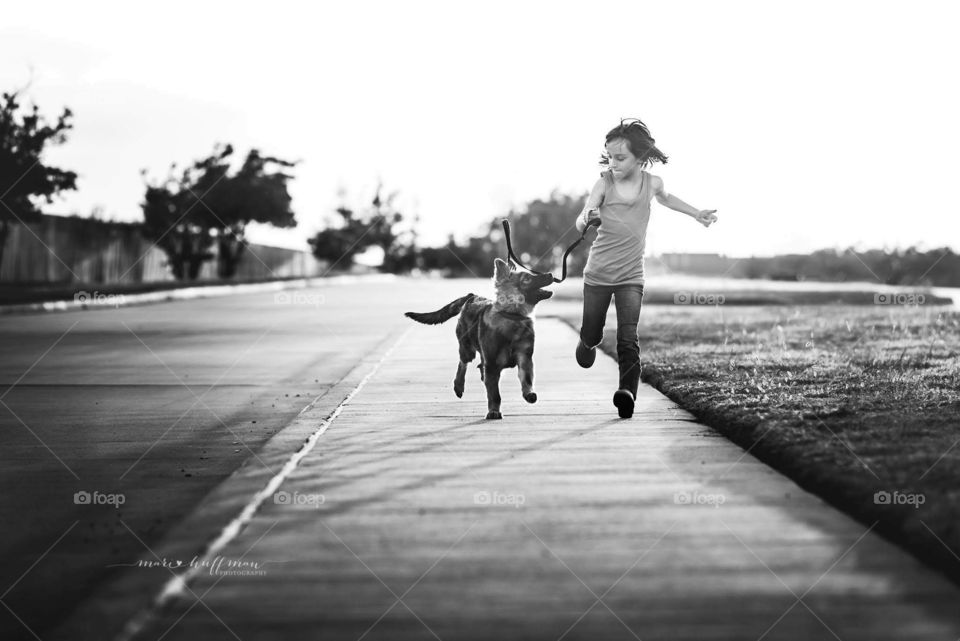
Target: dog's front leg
x=491, y=378
x=525, y=372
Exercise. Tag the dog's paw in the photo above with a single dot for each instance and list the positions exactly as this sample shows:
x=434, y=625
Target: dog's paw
x=530, y=397
x=458, y=390
x=494, y=415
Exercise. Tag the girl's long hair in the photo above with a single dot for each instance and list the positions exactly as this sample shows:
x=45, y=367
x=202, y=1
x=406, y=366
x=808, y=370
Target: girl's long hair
x=639, y=141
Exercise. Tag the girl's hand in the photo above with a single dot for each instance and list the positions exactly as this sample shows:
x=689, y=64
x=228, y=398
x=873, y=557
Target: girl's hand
x=592, y=215
x=706, y=216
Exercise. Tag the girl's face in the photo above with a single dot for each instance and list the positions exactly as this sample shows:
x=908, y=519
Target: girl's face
x=623, y=164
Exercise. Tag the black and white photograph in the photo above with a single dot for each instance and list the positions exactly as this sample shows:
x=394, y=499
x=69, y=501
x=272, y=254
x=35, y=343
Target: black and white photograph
x=443, y=321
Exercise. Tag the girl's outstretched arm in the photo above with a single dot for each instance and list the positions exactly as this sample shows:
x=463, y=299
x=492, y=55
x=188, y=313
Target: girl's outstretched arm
x=702, y=216
x=594, y=200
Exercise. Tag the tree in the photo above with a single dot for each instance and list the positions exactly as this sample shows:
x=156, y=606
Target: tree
x=24, y=136
x=186, y=215
x=390, y=232
x=339, y=244
x=172, y=220
x=253, y=194
x=382, y=225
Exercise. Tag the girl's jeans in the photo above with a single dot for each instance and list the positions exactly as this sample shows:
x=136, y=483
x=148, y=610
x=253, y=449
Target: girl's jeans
x=627, y=298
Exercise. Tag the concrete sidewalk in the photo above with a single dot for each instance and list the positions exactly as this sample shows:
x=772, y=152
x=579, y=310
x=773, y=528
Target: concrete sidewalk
x=410, y=517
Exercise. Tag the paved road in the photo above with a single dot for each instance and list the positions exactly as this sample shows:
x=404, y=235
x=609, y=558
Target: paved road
x=407, y=516
x=158, y=403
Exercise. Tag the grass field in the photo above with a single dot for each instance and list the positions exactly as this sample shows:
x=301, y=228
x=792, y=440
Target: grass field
x=858, y=404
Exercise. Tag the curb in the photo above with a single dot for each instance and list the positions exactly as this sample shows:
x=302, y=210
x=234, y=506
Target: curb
x=187, y=293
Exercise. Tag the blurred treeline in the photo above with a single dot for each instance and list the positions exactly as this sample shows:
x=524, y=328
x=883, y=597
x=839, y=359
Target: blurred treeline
x=935, y=267
x=542, y=229
x=540, y=232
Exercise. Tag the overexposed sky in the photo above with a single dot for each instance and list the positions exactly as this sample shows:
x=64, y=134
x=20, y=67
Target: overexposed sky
x=805, y=124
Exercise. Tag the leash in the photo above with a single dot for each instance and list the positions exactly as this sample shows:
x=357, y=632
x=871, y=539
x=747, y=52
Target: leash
x=563, y=274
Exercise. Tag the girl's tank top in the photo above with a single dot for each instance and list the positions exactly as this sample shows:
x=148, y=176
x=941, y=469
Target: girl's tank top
x=616, y=257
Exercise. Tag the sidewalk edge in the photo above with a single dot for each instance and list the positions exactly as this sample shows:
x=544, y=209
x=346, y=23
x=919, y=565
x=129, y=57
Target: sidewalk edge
x=190, y=293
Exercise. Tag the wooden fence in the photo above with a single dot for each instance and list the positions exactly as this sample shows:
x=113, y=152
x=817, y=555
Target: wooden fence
x=62, y=250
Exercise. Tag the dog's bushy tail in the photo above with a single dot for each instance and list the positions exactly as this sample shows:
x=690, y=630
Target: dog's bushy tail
x=443, y=314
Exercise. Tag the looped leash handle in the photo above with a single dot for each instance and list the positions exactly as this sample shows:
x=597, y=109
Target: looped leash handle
x=563, y=273
x=510, y=254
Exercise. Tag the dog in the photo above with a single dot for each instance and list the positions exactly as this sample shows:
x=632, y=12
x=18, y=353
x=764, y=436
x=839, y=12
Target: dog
x=501, y=330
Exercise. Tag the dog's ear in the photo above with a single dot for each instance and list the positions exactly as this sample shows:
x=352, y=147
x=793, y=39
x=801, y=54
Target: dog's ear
x=500, y=269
